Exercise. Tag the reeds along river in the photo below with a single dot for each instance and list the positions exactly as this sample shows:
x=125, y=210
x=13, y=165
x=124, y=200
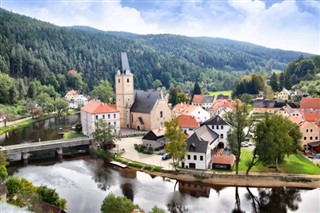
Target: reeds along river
x=85, y=182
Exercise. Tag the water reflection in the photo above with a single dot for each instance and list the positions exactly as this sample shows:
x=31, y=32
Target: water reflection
x=275, y=199
x=42, y=130
x=86, y=182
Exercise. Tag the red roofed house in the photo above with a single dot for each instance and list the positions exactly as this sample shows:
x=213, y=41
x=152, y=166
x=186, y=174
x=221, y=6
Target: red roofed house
x=310, y=115
x=188, y=124
x=205, y=101
x=95, y=110
x=223, y=162
x=196, y=111
x=310, y=103
x=310, y=131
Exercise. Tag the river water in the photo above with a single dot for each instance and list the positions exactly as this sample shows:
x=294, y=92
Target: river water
x=85, y=182
x=43, y=130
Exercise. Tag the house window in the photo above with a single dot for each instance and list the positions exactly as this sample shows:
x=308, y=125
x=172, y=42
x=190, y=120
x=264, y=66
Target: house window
x=118, y=80
x=221, y=136
x=161, y=114
x=311, y=138
x=221, y=127
x=103, y=116
x=114, y=115
x=109, y=123
x=127, y=80
x=188, y=157
x=194, y=157
x=217, y=127
x=307, y=130
x=201, y=158
x=108, y=115
x=305, y=138
x=96, y=116
x=212, y=126
x=316, y=138
x=114, y=123
x=310, y=130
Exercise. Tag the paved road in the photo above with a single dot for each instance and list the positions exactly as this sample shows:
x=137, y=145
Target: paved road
x=131, y=154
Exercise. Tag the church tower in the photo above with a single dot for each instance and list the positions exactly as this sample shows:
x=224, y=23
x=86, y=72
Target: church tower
x=124, y=91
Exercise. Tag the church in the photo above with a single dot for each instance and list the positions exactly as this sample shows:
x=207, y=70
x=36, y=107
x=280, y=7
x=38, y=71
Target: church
x=138, y=109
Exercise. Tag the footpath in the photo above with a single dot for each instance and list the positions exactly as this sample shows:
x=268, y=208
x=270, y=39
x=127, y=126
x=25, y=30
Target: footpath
x=9, y=123
x=254, y=179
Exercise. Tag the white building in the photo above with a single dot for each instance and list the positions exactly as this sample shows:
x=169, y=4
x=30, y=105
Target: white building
x=219, y=126
x=188, y=124
x=200, y=145
x=95, y=110
x=195, y=111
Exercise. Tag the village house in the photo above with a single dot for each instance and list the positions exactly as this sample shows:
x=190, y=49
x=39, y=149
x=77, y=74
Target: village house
x=200, y=145
x=155, y=139
x=267, y=106
x=221, y=107
x=219, y=126
x=205, y=101
x=194, y=189
x=138, y=109
x=75, y=99
x=188, y=124
x=198, y=112
x=95, y=110
x=310, y=131
x=284, y=94
x=310, y=103
x=287, y=111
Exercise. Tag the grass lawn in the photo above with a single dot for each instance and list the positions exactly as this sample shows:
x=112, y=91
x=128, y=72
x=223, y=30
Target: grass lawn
x=70, y=135
x=295, y=163
x=226, y=92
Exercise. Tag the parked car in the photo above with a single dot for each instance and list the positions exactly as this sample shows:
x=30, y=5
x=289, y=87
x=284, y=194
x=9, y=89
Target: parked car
x=317, y=156
x=244, y=144
x=166, y=156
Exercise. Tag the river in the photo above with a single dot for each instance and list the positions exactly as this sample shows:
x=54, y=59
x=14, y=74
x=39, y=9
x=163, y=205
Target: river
x=43, y=130
x=85, y=182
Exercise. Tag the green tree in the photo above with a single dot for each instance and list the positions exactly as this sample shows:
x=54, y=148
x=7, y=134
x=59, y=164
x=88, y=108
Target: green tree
x=176, y=144
x=173, y=96
x=45, y=102
x=281, y=81
x=246, y=98
x=78, y=128
x=269, y=93
x=238, y=120
x=6, y=89
x=32, y=91
x=103, y=92
x=51, y=196
x=112, y=204
x=61, y=106
x=274, y=82
x=196, y=89
x=156, y=209
x=3, y=172
x=157, y=84
x=275, y=137
x=104, y=134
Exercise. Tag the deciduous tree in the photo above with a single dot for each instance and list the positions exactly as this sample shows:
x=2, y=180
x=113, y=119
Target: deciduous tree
x=176, y=141
x=112, y=204
x=104, y=134
x=103, y=92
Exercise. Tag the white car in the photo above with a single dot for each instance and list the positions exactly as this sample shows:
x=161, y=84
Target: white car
x=244, y=144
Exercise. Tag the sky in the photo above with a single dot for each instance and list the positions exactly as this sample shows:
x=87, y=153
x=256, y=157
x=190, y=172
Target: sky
x=282, y=24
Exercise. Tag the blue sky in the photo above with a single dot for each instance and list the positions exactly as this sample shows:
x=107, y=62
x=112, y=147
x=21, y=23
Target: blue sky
x=287, y=24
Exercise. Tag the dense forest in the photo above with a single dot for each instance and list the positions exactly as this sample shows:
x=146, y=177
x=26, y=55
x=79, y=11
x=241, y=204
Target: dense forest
x=39, y=50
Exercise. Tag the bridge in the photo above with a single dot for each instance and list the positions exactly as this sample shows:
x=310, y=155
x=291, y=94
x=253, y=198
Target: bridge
x=57, y=145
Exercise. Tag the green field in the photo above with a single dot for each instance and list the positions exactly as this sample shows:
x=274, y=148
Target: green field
x=294, y=164
x=226, y=92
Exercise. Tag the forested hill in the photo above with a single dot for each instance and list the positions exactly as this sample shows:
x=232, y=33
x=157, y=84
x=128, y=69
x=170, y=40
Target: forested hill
x=35, y=49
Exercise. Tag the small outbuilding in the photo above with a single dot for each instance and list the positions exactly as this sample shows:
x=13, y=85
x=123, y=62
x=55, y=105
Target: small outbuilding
x=223, y=162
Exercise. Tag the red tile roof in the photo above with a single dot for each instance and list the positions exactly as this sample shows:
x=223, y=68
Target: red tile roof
x=184, y=109
x=186, y=121
x=223, y=160
x=310, y=103
x=311, y=115
x=159, y=132
x=98, y=107
x=222, y=104
x=198, y=99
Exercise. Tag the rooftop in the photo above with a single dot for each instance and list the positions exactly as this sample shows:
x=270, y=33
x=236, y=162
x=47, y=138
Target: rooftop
x=98, y=107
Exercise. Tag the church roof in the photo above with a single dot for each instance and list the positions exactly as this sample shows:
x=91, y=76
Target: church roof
x=145, y=101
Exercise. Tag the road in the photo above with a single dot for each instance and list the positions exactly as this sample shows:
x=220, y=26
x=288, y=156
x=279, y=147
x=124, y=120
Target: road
x=131, y=154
